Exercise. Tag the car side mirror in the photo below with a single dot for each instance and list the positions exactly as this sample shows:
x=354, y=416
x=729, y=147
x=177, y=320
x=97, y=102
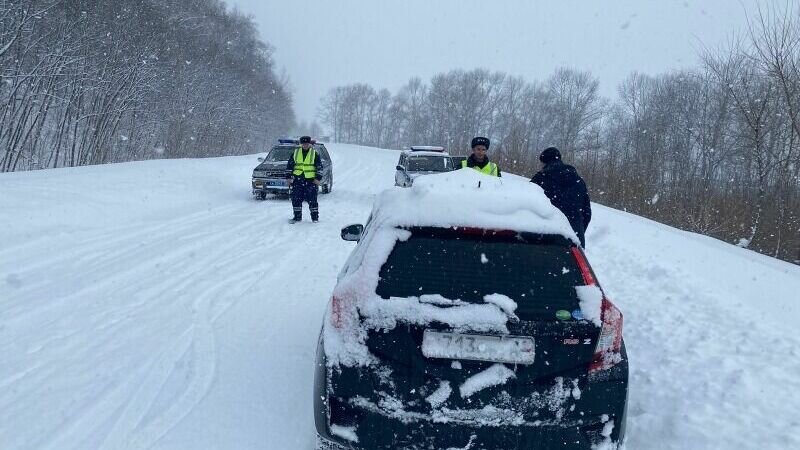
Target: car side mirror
x=260, y=159
x=400, y=168
x=352, y=232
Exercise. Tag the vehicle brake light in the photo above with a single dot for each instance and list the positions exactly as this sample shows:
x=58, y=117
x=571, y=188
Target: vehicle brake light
x=583, y=265
x=337, y=307
x=609, y=344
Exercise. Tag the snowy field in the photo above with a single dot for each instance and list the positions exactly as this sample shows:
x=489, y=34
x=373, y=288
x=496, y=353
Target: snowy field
x=157, y=305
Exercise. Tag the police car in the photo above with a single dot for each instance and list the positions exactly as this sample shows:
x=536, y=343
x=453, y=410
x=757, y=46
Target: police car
x=421, y=160
x=271, y=176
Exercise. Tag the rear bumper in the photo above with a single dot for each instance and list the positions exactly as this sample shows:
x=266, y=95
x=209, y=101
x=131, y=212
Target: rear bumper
x=443, y=435
x=603, y=401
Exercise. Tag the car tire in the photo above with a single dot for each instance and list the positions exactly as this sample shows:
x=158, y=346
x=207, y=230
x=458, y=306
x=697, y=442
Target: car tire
x=261, y=195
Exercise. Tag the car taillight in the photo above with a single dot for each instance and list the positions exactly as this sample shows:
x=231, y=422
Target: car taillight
x=337, y=311
x=609, y=344
x=607, y=353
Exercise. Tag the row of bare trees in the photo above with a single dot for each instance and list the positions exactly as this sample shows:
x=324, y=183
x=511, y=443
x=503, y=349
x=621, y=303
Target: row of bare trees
x=714, y=150
x=455, y=106
x=91, y=82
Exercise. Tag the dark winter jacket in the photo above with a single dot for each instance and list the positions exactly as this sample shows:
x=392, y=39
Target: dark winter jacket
x=567, y=192
x=472, y=162
x=317, y=165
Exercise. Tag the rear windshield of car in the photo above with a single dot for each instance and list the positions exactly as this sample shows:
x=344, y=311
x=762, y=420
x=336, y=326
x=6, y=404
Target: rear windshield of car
x=429, y=164
x=538, y=272
x=280, y=154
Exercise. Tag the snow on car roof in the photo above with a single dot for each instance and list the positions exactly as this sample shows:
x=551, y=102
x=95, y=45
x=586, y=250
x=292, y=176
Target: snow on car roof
x=468, y=198
x=428, y=148
x=421, y=153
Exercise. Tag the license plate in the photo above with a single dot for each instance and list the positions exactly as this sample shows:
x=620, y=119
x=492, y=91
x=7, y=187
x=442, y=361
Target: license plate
x=505, y=349
x=277, y=183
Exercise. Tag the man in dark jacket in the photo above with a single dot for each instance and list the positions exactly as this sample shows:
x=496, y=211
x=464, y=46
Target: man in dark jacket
x=565, y=189
x=478, y=160
x=305, y=173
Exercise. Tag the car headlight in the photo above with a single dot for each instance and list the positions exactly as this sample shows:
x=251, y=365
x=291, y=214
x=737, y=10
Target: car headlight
x=259, y=174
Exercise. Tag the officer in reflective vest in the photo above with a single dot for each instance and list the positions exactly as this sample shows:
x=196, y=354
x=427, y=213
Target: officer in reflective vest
x=305, y=168
x=478, y=159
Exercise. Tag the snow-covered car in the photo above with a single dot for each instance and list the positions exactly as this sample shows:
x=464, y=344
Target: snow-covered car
x=467, y=316
x=271, y=176
x=421, y=160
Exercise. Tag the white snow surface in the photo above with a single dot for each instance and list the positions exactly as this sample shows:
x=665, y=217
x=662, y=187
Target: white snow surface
x=494, y=375
x=466, y=197
x=440, y=395
x=503, y=302
x=591, y=301
x=156, y=305
x=348, y=433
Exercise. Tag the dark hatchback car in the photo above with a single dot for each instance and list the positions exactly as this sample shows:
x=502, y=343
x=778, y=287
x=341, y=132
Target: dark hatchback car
x=271, y=176
x=554, y=377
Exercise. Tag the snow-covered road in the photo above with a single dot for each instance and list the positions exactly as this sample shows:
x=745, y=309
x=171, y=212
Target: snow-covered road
x=156, y=305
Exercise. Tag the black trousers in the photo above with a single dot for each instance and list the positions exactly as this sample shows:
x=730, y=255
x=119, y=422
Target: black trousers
x=305, y=191
x=580, y=230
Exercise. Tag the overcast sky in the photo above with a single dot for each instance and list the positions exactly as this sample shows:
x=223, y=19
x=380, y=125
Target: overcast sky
x=322, y=44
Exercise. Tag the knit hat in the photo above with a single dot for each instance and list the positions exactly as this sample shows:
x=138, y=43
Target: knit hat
x=305, y=140
x=549, y=155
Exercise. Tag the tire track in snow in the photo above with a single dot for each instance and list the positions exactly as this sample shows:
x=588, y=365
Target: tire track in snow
x=87, y=280
x=125, y=433
x=121, y=407
x=129, y=431
x=199, y=338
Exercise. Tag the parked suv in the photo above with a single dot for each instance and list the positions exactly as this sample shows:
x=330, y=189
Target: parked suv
x=476, y=326
x=421, y=160
x=271, y=176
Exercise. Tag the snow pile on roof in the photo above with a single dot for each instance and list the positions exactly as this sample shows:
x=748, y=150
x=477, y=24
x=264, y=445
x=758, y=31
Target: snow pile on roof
x=468, y=198
x=441, y=154
x=429, y=148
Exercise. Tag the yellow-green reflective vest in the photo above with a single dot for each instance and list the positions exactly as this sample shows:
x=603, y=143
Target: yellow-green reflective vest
x=489, y=169
x=305, y=167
